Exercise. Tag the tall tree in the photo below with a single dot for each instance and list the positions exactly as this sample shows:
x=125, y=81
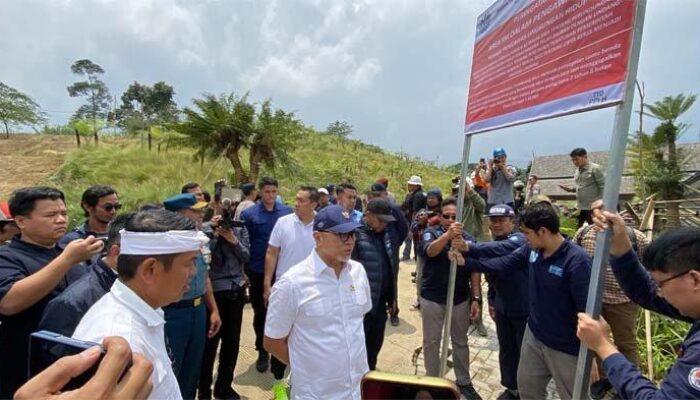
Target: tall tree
x=146, y=109
x=220, y=126
x=667, y=174
x=276, y=135
x=339, y=128
x=96, y=91
x=17, y=108
x=226, y=125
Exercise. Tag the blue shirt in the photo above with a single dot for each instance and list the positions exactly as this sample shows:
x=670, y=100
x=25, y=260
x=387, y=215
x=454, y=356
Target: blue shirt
x=507, y=292
x=19, y=260
x=683, y=379
x=558, y=289
x=436, y=271
x=198, y=282
x=64, y=312
x=259, y=223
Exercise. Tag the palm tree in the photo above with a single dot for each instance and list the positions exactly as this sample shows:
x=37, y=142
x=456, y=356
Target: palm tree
x=666, y=175
x=276, y=134
x=222, y=126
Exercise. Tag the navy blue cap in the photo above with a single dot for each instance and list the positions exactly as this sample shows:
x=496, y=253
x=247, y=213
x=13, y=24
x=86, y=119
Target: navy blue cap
x=182, y=201
x=334, y=219
x=501, y=210
x=499, y=151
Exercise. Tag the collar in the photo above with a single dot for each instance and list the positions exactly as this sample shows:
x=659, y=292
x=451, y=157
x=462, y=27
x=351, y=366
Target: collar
x=564, y=246
x=320, y=266
x=300, y=222
x=584, y=166
x=126, y=296
x=101, y=264
x=17, y=242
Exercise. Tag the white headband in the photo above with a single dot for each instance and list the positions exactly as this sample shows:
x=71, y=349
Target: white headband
x=156, y=243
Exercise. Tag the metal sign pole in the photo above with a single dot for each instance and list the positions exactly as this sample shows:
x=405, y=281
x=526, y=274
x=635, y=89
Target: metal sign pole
x=447, y=325
x=610, y=199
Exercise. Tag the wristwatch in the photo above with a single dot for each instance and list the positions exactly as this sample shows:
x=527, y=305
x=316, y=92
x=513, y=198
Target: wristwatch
x=477, y=299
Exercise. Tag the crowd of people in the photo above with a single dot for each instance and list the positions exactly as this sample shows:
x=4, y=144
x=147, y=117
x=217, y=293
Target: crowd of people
x=163, y=288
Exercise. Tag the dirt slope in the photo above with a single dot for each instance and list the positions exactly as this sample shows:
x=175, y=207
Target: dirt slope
x=26, y=160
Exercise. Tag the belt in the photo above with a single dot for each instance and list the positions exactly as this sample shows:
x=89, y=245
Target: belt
x=186, y=303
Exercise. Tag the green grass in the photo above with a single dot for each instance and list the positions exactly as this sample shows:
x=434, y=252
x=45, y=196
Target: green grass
x=141, y=176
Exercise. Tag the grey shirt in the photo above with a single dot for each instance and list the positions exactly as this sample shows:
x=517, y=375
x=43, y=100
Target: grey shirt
x=589, y=180
x=501, y=189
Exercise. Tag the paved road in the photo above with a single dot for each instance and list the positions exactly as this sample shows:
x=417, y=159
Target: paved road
x=396, y=354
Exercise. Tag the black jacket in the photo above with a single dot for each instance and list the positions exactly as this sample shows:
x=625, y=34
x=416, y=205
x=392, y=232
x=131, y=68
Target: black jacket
x=64, y=312
x=373, y=250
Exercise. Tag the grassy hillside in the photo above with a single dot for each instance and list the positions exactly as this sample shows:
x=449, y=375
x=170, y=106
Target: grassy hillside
x=141, y=176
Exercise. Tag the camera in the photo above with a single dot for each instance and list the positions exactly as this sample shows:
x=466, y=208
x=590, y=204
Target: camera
x=228, y=206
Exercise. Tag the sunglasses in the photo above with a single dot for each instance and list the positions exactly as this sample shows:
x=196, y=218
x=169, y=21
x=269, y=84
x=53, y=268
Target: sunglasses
x=344, y=237
x=452, y=217
x=109, y=207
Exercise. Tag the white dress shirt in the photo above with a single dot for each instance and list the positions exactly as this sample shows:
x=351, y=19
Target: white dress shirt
x=123, y=313
x=322, y=316
x=295, y=241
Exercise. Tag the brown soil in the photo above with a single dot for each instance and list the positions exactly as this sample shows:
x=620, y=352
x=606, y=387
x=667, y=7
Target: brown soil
x=27, y=160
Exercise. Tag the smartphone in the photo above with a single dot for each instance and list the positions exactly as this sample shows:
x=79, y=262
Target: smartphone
x=47, y=347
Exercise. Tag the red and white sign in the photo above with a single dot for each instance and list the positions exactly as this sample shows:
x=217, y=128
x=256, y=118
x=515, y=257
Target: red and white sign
x=537, y=59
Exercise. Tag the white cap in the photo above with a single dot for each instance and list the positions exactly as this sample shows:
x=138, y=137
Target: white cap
x=323, y=191
x=415, y=180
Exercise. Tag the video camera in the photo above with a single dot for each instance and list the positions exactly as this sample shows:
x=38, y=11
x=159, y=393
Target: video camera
x=229, y=198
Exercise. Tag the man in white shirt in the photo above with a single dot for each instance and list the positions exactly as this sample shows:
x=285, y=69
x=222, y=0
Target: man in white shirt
x=315, y=315
x=155, y=266
x=291, y=242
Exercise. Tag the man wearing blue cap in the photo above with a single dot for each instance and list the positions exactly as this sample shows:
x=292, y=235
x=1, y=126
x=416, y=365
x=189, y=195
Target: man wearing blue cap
x=185, y=327
x=507, y=295
x=500, y=176
x=315, y=316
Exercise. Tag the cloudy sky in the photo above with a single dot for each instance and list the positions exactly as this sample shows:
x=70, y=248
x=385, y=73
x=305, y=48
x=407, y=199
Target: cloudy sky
x=397, y=70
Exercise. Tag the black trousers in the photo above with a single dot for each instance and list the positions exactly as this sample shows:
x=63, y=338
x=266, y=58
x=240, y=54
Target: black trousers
x=230, y=304
x=374, y=326
x=259, y=309
x=584, y=216
x=259, y=313
x=510, y=331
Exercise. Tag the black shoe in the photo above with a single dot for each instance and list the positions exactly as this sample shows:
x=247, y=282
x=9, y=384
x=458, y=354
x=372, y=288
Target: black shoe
x=394, y=320
x=600, y=388
x=508, y=395
x=469, y=392
x=227, y=394
x=263, y=361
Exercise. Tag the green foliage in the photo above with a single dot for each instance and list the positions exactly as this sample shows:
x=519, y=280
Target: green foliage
x=17, y=108
x=141, y=176
x=567, y=226
x=339, y=128
x=666, y=336
x=57, y=129
x=98, y=97
x=227, y=126
x=144, y=106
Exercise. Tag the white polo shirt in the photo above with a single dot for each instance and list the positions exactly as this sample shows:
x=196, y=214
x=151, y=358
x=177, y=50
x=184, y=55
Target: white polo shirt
x=322, y=316
x=123, y=313
x=295, y=241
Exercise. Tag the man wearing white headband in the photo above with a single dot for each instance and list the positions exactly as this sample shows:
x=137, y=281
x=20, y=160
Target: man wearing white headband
x=155, y=266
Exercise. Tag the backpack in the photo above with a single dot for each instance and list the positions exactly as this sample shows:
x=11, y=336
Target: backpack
x=630, y=233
